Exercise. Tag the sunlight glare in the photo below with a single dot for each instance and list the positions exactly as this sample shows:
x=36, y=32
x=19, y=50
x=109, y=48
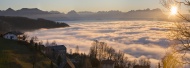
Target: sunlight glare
x=173, y=10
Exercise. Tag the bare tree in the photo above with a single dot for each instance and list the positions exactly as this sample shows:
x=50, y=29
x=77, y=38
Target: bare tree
x=35, y=38
x=94, y=49
x=119, y=58
x=53, y=43
x=180, y=34
x=77, y=49
x=172, y=59
x=32, y=40
x=101, y=51
x=71, y=51
x=144, y=62
x=47, y=43
x=25, y=37
x=41, y=42
x=168, y=4
x=111, y=52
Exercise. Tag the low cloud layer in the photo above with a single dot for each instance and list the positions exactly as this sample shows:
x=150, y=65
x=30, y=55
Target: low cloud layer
x=135, y=38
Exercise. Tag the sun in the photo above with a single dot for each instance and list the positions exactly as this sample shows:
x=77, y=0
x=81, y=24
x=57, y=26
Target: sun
x=174, y=10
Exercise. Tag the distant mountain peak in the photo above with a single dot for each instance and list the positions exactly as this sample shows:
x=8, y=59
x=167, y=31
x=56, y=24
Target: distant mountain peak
x=10, y=10
x=72, y=13
x=157, y=9
x=55, y=12
x=29, y=9
x=144, y=14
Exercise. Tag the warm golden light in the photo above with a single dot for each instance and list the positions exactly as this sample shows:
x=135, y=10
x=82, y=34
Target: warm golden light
x=173, y=10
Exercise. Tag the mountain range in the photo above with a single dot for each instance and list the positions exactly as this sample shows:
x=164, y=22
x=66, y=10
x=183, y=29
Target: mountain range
x=146, y=14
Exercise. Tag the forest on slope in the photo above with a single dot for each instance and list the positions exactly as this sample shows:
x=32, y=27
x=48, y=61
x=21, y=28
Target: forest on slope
x=8, y=23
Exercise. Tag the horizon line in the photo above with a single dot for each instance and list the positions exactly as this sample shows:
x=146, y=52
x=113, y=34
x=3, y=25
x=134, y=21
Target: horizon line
x=76, y=10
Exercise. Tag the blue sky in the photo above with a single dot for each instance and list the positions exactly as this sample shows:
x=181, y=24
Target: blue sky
x=81, y=5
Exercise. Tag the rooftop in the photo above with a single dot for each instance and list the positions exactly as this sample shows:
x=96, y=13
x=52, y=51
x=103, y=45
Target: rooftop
x=15, y=32
x=58, y=47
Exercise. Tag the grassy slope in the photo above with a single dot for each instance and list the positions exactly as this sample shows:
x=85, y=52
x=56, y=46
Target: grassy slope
x=13, y=55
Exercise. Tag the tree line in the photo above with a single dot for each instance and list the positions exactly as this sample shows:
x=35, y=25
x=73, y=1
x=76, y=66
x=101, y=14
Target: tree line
x=100, y=51
x=8, y=23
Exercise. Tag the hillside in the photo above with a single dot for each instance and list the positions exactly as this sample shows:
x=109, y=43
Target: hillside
x=14, y=55
x=8, y=23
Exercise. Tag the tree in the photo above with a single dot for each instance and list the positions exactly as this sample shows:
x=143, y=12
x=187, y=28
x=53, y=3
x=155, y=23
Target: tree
x=41, y=42
x=180, y=33
x=25, y=37
x=126, y=63
x=53, y=43
x=77, y=49
x=101, y=51
x=111, y=53
x=32, y=40
x=119, y=58
x=35, y=38
x=71, y=51
x=93, y=49
x=172, y=59
x=47, y=43
x=144, y=61
x=177, y=4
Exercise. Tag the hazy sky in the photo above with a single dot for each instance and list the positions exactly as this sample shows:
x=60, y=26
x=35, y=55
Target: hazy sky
x=81, y=5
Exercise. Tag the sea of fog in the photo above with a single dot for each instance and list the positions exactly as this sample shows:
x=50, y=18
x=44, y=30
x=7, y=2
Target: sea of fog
x=135, y=38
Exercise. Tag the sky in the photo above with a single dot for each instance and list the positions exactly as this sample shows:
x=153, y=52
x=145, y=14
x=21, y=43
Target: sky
x=81, y=5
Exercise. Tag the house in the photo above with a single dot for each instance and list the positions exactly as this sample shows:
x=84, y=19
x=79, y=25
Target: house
x=141, y=66
x=14, y=35
x=107, y=64
x=55, y=52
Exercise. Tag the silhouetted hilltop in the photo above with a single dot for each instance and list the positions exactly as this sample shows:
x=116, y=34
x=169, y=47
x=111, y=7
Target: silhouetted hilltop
x=73, y=15
x=8, y=23
x=85, y=13
x=146, y=14
x=31, y=11
x=10, y=10
x=34, y=13
x=155, y=14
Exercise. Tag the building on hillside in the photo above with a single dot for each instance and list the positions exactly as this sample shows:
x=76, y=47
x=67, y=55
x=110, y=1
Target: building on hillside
x=14, y=35
x=141, y=66
x=57, y=52
x=107, y=64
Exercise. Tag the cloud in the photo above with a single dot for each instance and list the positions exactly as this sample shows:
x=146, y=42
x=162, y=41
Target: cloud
x=135, y=38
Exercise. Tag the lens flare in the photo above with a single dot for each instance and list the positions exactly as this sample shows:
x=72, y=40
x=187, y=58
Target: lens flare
x=173, y=10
